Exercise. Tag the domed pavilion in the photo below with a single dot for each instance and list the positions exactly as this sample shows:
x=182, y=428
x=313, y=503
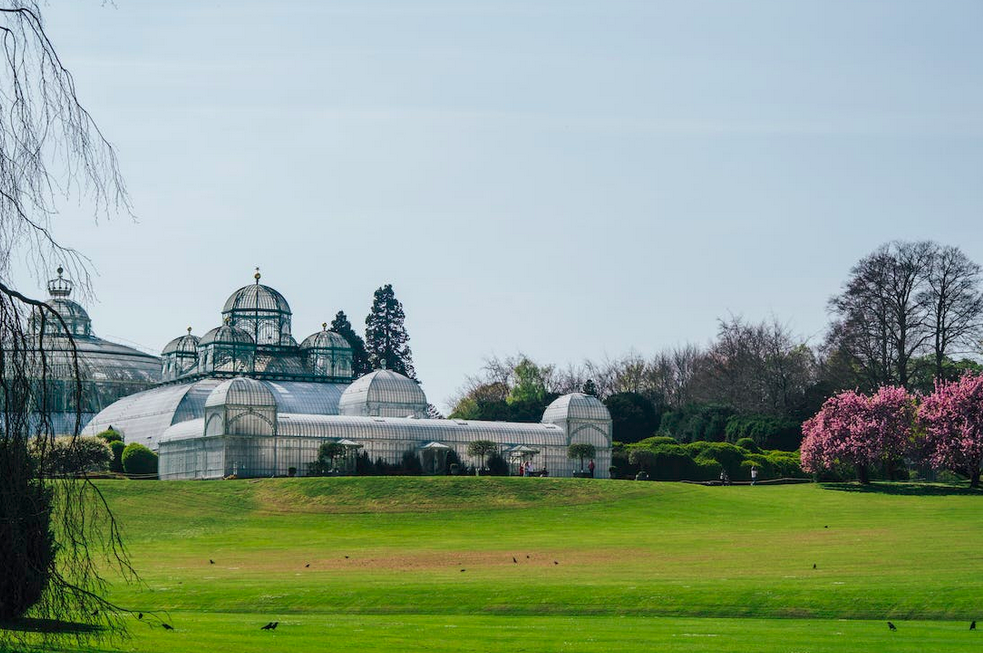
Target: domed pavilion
x=245, y=399
x=109, y=370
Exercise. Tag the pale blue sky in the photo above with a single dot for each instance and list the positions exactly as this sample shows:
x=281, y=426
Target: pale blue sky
x=569, y=179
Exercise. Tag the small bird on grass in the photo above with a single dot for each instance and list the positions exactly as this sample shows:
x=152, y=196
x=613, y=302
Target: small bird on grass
x=814, y=565
x=167, y=626
x=891, y=626
x=463, y=570
x=514, y=561
x=527, y=557
x=270, y=626
x=555, y=562
x=346, y=557
x=307, y=565
x=825, y=526
x=139, y=615
x=972, y=626
x=211, y=562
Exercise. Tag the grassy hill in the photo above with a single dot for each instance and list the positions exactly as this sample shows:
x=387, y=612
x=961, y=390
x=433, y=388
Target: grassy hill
x=599, y=565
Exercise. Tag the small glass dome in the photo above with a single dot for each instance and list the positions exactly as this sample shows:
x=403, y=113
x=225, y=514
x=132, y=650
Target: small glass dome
x=179, y=356
x=262, y=312
x=328, y=354
x=226, y=349
x=241, y=391
x=576, y=406
x=384, y=393
x=182, y=345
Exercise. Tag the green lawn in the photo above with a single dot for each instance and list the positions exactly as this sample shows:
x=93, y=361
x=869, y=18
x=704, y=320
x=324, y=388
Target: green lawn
x=601, y=565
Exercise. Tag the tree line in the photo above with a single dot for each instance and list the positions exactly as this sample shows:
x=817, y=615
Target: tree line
x=908, y=314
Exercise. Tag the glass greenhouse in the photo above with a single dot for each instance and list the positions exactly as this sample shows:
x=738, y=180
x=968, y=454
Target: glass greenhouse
x=246, y=400
x=109, y=370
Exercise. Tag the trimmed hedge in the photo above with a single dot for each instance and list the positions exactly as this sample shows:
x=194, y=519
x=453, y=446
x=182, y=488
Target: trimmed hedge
x=138, y=459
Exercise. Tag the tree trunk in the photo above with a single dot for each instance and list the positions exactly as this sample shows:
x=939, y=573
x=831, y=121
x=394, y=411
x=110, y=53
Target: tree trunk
x=974, y=479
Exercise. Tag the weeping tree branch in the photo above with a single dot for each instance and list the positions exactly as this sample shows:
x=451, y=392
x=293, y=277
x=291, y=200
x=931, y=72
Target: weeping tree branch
x=57, y=537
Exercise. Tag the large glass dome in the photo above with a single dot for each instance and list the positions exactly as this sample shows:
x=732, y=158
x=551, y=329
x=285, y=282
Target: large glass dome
x=109, y=370
x=262, y=312
x=384, y=393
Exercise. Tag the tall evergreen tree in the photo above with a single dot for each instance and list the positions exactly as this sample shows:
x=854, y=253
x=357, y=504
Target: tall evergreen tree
x=360, y=357
x=385, y=334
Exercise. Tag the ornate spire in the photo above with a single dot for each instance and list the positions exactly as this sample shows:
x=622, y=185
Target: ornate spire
x=60, y=287
x=257, y=276
x=324, y=326
x=189, y=331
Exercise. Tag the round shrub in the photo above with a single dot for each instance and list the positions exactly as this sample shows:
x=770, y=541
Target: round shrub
x=138, y=459
x=749, y=444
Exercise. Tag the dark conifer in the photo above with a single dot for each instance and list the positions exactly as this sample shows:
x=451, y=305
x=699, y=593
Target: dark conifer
x=385, y=334
x=360, y=358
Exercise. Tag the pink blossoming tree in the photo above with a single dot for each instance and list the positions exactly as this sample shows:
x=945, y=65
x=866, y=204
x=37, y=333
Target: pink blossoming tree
x=952, y=418
x=862, y=431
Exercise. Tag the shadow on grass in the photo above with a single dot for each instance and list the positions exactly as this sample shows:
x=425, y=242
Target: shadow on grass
x=905, y=489
x=49, y=626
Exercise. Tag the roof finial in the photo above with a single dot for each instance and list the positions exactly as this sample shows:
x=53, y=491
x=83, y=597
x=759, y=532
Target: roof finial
x=257, y=276
x=324, y=326
x=189, y=331
x=60, y=271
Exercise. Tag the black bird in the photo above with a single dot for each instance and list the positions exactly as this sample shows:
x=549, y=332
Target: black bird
x=891, y=626
x=527, y=557
x=275, y=624
x=346, y=557
x=462, y=571
x=555, y=562
x=514, y=561
x=825, y=526
x=268, y=626
x=139, y=615
x=167, y=626
x=308, y=564
x=972, y=626
x=211, y=562
x=814, y=565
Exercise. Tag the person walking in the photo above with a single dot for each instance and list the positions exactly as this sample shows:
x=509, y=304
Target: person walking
x=590, y=468
x=754, y=475
x=522, y=469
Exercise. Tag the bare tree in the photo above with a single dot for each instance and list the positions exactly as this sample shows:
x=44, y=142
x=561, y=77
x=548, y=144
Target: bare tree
x=881, y=317
x=954, y=302
x=54, y=536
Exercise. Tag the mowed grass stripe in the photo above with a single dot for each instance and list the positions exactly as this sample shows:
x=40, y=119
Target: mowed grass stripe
x=623, y=548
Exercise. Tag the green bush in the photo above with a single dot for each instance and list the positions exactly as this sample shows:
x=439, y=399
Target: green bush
x=497, y=465
x=723, y=454
x=767, y=431
x=656, y=440
x=765, y=468
x=73, y=456
x=138, y=459
x=672, y=463
x=117, y=447
x=786, y=464
x=410, y=463
x=749, y=444
x=110, y=435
